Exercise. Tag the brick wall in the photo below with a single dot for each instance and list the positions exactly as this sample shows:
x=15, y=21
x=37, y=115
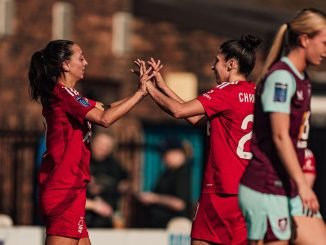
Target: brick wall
x=180, y=50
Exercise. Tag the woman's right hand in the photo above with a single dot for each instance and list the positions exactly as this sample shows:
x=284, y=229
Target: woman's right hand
x=157, y=66
x=309, y=200
x=144, y=75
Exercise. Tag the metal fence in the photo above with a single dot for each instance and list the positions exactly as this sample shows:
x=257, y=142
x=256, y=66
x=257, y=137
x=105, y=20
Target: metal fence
x=18, y=171
x=17, y=174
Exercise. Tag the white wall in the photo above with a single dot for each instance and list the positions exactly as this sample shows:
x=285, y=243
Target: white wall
x=29, y=235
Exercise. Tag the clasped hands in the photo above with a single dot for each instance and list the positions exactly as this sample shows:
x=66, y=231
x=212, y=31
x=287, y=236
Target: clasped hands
x=148, y=73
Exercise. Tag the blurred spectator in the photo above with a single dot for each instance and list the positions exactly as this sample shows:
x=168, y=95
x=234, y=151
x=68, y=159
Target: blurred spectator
x=171, y=195
x=108, y=182
x=309, y=167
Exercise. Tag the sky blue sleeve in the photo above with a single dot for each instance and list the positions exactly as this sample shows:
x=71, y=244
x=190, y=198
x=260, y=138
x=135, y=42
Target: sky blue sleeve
x=278, y=90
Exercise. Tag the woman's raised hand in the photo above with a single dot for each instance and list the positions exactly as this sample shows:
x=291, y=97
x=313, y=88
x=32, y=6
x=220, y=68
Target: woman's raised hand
x=144, y=75
x=157, y=66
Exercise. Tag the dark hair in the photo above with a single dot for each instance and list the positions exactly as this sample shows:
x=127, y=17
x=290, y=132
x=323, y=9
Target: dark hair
x=46, y=67
x=171, y=144
x=243, y=50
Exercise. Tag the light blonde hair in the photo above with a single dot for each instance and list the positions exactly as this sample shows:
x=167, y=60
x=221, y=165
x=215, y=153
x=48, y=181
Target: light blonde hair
x=307, y=21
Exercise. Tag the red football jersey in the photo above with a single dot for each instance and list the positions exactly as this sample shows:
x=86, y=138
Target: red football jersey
x=65, y=163
x=229, y=108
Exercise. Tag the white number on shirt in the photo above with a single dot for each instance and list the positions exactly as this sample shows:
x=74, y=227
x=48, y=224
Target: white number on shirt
x=240, y=149
x=304, y=131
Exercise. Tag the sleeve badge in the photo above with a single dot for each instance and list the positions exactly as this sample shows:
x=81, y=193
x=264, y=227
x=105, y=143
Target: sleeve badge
x=280, y=92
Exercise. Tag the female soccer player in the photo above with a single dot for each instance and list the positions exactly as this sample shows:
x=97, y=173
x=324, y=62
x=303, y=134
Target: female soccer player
x=273, y=188
x=64, y=174
x=229, y=111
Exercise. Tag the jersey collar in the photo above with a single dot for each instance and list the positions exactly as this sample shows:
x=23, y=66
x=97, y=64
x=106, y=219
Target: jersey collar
x=293, y=68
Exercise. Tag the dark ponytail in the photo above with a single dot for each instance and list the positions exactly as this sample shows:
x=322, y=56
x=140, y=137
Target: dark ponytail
x=46, y=67
x=243, y=50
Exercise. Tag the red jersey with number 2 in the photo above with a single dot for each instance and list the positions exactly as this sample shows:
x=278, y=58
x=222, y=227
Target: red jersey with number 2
x=229, y=108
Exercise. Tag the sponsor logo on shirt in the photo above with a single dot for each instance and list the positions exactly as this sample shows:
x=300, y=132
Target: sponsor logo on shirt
x=308, y=165
x=82, y=101
x=280, y=92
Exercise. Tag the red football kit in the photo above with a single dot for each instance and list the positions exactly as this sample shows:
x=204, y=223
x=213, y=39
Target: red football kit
x=229, y=108
x=64, y=171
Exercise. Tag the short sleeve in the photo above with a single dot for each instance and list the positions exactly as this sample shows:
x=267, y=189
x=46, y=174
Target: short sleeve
x=279, y=88
x=74, y=104
x=214, y=101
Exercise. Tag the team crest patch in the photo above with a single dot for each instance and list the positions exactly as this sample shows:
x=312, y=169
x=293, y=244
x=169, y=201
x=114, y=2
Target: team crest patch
x=82, y=101
x=283, y=224
x=280, y=92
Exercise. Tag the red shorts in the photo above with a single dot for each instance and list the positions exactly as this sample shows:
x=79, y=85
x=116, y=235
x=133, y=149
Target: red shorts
x=63, y=212
x=219, y=219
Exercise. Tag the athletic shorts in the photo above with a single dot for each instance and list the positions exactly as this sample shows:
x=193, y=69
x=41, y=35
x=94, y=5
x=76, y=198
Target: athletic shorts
x=63, y=212
x=267, y=216
x=296, y=208
x=218, y=219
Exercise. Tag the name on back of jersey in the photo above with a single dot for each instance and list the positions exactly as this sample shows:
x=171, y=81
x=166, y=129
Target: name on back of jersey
x=246, y=98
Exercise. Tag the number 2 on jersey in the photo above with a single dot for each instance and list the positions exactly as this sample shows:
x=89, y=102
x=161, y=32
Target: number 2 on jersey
x=240, y=149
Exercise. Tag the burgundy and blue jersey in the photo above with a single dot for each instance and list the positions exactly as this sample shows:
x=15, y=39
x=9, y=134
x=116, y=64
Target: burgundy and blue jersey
x=283, y=90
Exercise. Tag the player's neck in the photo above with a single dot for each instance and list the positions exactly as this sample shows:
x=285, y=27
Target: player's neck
x=236, y=77
x=67, y=82
x=296, y=56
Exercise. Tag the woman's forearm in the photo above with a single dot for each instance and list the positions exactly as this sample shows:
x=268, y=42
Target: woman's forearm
x=109, y=116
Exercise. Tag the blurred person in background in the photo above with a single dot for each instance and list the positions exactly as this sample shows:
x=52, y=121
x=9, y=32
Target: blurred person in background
x=109, y=180
x=53, y=74
x=309, y=167
x=274, y=191
x=228, y=109
x=171, y=195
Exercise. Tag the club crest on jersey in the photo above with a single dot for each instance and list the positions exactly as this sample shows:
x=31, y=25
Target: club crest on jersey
x=282, y=224
x=280, y=92
x=82, y=101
